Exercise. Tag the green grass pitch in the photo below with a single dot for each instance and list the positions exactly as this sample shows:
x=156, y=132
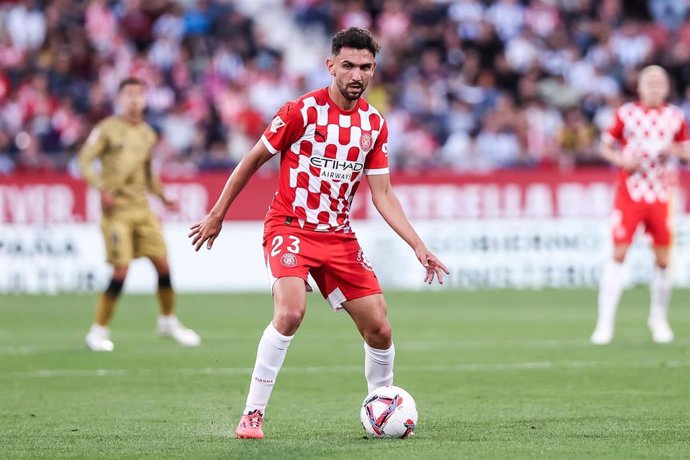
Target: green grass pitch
x=501, y=374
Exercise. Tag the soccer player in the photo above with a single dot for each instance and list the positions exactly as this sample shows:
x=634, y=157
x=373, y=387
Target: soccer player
x=328, y=140
x=642, y=141
x=123, y=144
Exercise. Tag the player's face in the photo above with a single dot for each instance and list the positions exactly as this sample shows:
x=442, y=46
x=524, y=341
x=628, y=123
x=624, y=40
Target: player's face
x=132, y=99
x=653, y=88
x=352, y=70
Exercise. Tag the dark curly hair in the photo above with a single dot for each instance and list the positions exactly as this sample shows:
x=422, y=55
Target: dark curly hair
x=354, y=37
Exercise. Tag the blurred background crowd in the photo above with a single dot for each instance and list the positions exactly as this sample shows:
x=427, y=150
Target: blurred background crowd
x=468, y=85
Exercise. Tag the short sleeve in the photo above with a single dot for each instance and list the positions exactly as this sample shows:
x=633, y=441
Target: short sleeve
x=93, y=148
x=615, y=131
x=377, y=159
x=285, y=128
x=681, y=135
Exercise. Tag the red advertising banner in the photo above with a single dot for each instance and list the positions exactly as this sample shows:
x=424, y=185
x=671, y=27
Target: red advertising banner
x=47, y=199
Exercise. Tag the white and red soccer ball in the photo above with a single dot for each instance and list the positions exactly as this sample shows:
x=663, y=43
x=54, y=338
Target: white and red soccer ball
x=389, y=412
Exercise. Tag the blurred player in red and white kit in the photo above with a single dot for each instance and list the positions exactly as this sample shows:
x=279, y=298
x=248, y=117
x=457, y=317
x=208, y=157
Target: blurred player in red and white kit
x=644, y=141
x=328, y=140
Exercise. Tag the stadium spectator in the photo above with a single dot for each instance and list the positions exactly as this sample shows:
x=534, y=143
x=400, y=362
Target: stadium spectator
x=215, y=69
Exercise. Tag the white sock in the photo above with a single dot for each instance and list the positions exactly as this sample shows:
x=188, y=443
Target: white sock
x=167, y=320
x=269, y=359
x=610, y=290
x=378, y=366
x=660, y=289
x=98, y=329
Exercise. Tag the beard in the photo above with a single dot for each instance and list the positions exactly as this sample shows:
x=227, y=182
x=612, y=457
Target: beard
x=352, y=92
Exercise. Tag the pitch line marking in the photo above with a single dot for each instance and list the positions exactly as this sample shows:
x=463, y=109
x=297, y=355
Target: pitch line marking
x=466, y=367
x=411, y=346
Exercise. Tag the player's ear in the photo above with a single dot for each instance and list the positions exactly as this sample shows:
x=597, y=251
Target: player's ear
x=330, y=65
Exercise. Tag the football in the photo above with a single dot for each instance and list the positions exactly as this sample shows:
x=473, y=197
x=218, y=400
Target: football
x=389, y=412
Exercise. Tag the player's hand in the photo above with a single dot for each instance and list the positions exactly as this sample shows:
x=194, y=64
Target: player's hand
x=434, y=267
x=205, y=231
x=675, y=150
x=171, y=204
x=630, y=163
x=107, y=201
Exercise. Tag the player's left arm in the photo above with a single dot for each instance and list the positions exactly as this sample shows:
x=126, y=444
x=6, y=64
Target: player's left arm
x=154, y=183
x=389, y=207
x=681, y=141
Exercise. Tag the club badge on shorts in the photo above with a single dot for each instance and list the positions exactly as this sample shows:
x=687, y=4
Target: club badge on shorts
x=365, y=142
x=288, y=260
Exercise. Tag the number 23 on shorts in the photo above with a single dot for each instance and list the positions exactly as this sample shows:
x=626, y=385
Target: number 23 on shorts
x=286, y=249
x=280, y=243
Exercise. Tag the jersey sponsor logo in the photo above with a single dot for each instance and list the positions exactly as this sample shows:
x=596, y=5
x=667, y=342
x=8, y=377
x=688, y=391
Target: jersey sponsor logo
x=365, y=142
x=276, y=124
x=335, y=169
x=288, y=259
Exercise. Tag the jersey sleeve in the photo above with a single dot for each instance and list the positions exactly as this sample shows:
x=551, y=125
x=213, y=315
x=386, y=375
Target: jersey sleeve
x=682, y=136
x=93, y=148
x=285, y=128
x=377, y=159
x=615, y=131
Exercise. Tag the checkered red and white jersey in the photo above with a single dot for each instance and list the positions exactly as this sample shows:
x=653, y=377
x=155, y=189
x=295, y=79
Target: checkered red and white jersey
x=647, y=133
x=324, y=153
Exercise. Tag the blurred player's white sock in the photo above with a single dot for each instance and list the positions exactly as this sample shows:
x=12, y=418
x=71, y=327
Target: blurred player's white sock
x=610, y=290
x=378, y=366
x=660, y=289
x=269, y=359
x=661, y=293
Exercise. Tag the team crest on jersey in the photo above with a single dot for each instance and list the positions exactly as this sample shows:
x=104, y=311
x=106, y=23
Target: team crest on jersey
x=365, y=142
x=288, y=259
x=276, y=124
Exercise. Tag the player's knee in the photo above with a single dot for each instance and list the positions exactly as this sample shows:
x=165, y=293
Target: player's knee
x=120, y=274
x=161, y=266
x=380, y=336
x=619, y=255
x=662, y=262
x=286, y=321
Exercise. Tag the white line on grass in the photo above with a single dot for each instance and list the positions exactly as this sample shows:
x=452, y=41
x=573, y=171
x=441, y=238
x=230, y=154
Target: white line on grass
x=22, y=350
x=543, y=343
x=412, y=346
x=468, y=367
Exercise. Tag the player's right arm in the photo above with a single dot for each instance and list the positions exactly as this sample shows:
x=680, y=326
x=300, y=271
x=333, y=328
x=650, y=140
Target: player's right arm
x=609, y=150
x=95, y=145
x=287, y=126
x=210, y=226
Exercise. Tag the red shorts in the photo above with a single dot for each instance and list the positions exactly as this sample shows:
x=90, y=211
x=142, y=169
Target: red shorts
x=335, y=261
x=628, y=214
